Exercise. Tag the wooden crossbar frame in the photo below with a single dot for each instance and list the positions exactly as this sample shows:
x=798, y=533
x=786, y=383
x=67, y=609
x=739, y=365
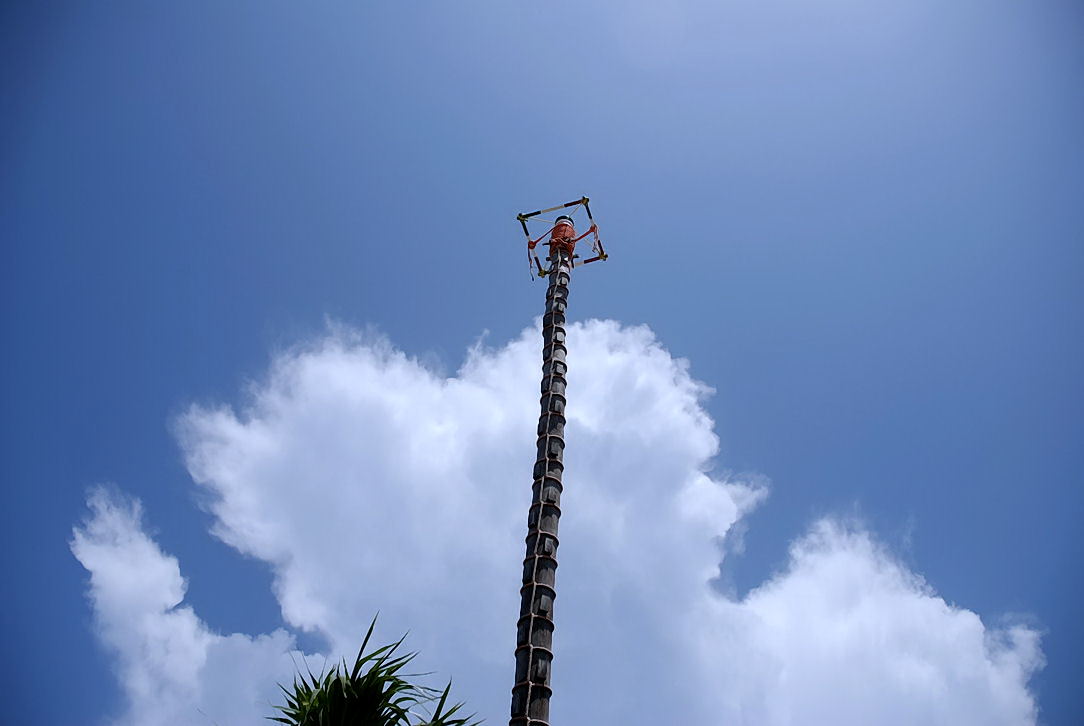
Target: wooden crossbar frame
x=599, y=250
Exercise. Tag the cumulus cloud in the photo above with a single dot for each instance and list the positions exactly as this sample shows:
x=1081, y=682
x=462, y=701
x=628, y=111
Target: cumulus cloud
x=172, y=668
x=369, y=482
x=848, y=635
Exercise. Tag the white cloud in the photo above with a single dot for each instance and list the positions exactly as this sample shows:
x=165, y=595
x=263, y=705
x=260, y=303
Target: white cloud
x=847, y=635
x=368, y=483
x=173, y=670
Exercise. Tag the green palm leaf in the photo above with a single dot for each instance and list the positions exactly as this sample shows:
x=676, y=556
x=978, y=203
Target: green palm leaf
x=372, y=692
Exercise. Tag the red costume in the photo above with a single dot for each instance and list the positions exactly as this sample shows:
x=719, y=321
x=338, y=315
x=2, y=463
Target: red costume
x=562, y=236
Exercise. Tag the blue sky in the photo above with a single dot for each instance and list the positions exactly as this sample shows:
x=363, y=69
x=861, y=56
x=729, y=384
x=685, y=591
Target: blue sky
x=859, y=221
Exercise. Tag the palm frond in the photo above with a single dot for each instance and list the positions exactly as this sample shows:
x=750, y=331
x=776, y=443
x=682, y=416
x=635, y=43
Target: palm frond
x=372, y=692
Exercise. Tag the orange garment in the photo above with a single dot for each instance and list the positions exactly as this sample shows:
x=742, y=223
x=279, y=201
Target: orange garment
x=564, y=236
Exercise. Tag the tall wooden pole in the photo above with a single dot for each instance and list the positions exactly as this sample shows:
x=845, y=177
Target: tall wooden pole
x=534, y=640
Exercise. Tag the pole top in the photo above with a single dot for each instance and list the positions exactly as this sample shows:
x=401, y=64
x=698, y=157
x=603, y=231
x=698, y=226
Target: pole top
x=562, y=235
